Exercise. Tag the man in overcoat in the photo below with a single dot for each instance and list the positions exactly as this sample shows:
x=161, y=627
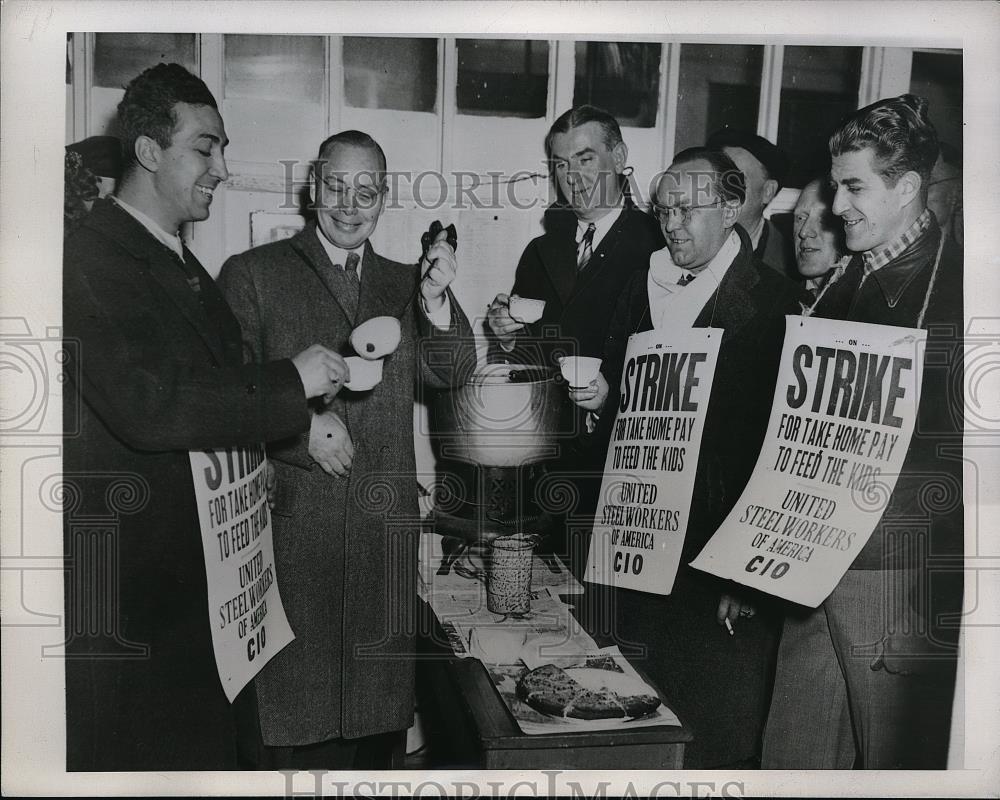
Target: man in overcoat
x=764, y=165
x=157, y=370
x=707, y=277
x=345, y=517
x=867, y=679
x=595, y=239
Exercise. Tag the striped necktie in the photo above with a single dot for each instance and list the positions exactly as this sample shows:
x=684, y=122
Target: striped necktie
x=685, y=279
x=586, y=247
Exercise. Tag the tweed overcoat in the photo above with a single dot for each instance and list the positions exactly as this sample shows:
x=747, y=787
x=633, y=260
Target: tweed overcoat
x=345, y=548
x=156, y=370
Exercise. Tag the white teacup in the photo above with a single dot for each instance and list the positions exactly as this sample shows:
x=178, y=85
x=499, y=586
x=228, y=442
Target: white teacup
x=579, y=371
x=365, y=374
x=526, y=309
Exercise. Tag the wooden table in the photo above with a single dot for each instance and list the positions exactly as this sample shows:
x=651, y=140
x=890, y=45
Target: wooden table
x=467, y=724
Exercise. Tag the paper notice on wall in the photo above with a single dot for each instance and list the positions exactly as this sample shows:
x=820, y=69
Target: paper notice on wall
x=652, y=459
x=244, y=608
x=844, y=409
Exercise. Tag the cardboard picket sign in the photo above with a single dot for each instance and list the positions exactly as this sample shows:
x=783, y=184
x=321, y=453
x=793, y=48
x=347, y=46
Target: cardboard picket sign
x=843, y=413
x=248, y=621
x=652, y=460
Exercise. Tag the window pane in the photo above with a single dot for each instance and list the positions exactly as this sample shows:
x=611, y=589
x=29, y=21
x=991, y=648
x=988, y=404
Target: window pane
x=503, y=77
x=398, y=74
x=938, y=78
x=718, y=85
x=119, y=57
x=819, y=86
x=284, y=68
x=621, y=77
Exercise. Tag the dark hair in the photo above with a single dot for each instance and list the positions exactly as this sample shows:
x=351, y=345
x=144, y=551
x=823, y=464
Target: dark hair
x=899, y=132
x=727, y=181
x=147, y=109
x=351, y=139
x=581, y=115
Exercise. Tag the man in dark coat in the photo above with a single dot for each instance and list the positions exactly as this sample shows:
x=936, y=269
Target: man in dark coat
x=764, y=166
x=718, y=683
x=346, y=522
x=159, y=372
x=595, y=239
x=867, y=678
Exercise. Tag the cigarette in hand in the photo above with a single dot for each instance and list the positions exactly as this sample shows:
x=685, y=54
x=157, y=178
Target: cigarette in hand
x=729, y=627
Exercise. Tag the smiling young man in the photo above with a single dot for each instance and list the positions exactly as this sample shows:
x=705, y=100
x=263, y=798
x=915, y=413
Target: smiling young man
x=867, y=678
x=160, y=372
x=342, y=694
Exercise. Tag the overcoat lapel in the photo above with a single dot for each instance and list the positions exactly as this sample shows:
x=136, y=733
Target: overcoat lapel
x=162, y=266
x=732, y=306
x=384, y=290
x=306, y=244
x=607, y=246
x=558, y=256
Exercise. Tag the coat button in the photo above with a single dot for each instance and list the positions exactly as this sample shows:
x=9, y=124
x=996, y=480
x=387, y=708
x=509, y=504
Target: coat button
x=251, y=388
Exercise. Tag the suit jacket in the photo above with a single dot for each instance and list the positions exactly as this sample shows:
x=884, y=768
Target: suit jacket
x=578, y=303
x=345, y=548
x=159, y=372
x=685, y=650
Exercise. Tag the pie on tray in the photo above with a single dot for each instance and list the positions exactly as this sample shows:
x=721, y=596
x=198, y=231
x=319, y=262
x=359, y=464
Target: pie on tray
x=586, y=693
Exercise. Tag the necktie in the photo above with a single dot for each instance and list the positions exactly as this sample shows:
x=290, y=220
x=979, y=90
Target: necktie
x=190, y=274
x=685, y=279
x=586, y=247
x=351, y=270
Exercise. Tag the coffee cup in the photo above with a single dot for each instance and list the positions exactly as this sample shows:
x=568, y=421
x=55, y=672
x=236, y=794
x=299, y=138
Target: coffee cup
x=365, y=374
x=525, y=309
x=579, y=371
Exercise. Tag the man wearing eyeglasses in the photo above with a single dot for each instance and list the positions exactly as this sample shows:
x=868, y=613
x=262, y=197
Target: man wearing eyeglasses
x=342, y=693
x=707, y=277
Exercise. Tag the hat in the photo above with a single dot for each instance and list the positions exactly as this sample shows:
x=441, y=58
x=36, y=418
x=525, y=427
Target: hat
x=774, y=160
x=102, y=155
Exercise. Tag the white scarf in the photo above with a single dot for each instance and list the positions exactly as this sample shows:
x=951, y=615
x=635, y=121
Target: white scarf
x=671, y=304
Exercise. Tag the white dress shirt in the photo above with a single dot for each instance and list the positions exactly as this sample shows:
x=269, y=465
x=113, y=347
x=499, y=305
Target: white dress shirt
x=601, y=226
x=173, y=241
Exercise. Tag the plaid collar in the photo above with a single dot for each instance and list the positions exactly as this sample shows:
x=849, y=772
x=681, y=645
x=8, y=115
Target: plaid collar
x=879, y=257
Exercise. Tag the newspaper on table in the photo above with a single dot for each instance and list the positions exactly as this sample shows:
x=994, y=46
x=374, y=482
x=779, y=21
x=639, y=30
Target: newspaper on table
x=244, y=607
x=649, y=472
x=843, y=413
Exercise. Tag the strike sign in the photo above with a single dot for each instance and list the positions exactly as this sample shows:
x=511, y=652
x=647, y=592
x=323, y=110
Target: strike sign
x=841, y=421
x=244, y=608
x=652, y=459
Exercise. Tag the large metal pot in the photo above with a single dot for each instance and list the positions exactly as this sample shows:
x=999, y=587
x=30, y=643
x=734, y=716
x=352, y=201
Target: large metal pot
x=505, y=415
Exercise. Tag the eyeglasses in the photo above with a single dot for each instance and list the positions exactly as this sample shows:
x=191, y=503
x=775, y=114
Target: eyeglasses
x=664, y=213
x=364, y=196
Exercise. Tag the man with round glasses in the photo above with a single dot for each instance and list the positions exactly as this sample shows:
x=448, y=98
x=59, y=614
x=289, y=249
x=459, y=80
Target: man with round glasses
x=707, y=277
